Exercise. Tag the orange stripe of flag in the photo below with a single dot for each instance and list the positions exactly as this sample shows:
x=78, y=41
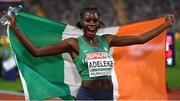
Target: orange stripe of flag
x=140, y=69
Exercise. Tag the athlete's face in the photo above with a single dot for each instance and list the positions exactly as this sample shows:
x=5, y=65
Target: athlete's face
x=90, y=23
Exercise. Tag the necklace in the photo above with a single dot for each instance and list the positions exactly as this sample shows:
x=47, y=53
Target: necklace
x=90, y=42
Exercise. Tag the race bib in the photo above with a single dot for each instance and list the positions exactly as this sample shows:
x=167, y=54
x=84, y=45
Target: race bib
x=99, y=64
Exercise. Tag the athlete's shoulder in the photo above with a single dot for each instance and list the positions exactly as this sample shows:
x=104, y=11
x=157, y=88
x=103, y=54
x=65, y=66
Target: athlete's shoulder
x=71, y=41
x=108, y=37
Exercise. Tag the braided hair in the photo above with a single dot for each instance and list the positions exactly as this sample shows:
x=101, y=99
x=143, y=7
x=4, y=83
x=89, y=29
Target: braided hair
x=83, y=12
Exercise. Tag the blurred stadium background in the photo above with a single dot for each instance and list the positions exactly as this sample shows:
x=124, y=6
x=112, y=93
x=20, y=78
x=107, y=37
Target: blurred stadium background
x=114, y=12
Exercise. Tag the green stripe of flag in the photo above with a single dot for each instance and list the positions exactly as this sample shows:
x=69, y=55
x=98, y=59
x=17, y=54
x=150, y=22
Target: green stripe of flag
x=44, y=76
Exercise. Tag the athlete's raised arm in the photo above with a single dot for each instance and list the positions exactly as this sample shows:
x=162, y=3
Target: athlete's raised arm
x=66, y=45
x=140, y=39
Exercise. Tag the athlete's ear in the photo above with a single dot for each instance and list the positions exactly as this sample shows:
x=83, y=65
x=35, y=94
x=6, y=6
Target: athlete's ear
x=101, y=24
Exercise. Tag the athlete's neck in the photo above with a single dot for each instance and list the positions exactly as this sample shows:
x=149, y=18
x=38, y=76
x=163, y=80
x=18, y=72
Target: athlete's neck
x=90, y=39
x=93, y=41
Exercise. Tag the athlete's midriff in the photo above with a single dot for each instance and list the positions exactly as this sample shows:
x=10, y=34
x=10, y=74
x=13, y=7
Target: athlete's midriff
x=96, y=84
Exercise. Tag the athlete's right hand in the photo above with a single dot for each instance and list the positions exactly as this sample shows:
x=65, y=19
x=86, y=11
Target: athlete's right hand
x=13, y=19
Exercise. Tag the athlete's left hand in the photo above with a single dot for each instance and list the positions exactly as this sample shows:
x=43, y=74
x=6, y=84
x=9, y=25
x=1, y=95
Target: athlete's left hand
x=170, y=19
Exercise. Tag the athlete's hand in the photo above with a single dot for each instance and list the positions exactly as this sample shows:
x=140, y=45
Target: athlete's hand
x=12, y=20
x=170, y=19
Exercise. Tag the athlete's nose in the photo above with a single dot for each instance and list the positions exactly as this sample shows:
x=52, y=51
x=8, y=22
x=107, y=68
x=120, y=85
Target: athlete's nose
x=92, y=22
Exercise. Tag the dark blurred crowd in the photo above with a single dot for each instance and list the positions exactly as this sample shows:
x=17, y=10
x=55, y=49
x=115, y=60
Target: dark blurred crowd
x=139, y=10
x=67, y=11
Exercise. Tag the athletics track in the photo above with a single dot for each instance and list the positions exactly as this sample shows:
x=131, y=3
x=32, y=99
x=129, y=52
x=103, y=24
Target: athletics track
x=173, y=94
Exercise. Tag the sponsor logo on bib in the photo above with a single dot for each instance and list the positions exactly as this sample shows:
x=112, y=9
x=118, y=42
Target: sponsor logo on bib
x=99, y=64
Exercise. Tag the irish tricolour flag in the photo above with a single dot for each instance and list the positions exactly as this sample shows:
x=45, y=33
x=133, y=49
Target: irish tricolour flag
x=139, y=70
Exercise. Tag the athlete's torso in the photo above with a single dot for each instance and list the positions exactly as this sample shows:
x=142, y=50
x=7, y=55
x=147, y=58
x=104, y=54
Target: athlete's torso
x=94, y=64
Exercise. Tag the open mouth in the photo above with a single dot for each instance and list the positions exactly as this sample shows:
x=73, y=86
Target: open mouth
x=91, y=30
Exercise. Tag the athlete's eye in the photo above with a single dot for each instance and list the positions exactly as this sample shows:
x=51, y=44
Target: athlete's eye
x=88, y=20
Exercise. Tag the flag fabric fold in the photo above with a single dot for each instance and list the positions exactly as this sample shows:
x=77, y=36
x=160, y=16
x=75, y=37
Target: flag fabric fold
x=139, y=71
